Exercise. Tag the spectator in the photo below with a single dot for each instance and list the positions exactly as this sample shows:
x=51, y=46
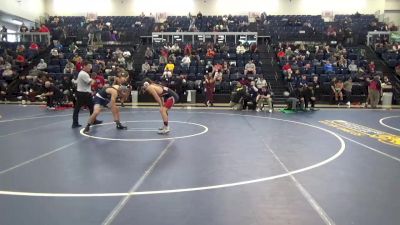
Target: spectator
x=374, y=92
x=186, y=62
x=145, y=67
x=52, y=95
x=148, y=54
x=226, y=68
x=328, y=68
x=338, y=91
x=353, y=67
x=295, y=97
x=240, y=49
x=210, y=53
x=98, y=83
x=44, y=29
x=34, y=47
x=371, y=67
x=175, y=49
x=154, y=68
x=264, y=97
x=4, y=36
x=23, y=85
x=69, y=67
x=250, y=68
x=287, y=71
x=91, y=28
x=347, y=88
x=42, y=65
x=209, y=83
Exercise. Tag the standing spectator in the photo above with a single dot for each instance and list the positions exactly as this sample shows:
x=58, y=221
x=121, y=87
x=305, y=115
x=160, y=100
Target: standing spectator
x=99, y=82
x=83, y=93
x=374, y=92
x=209, y=83
x=91, y=29
x=4, y=36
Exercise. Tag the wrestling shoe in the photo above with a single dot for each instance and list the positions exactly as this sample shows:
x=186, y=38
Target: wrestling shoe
x=163, y=130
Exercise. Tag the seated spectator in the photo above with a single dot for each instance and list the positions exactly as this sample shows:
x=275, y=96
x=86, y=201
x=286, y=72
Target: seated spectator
x=153, y=68
x=210, y=53
x=52, y=95
x=145, y=67
x=328, y=68
x=73, y=47
x=250, y=68
x=240, y=49
x=347, y=88
x=170, y=66
x=175, y=49
x=33, y=47
x=371, y=67
x=149, y=53
x=163, y=59
x=69, y=67
x=218, y=77
x=331, y=31
x=264, y=97
x=287, y=71
x=186, y=62
x=353, y=67
x=42, y=65
x=295, y=97
x=67, y=89
x=338, y=87
x=20, y=49
x=226, y=68
x=281, y=54
x=54, y=53
x=20, y=60
x=121, y=60
x=23, y=85
x=209, y=67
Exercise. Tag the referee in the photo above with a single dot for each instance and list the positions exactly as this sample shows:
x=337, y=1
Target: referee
x=83, y=93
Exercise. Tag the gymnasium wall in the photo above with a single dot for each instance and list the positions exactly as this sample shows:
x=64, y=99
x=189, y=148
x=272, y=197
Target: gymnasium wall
x=29, y=9
x=211, y=7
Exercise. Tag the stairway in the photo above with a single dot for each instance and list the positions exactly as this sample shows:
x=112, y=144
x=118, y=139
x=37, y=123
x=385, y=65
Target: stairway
x=271, y=71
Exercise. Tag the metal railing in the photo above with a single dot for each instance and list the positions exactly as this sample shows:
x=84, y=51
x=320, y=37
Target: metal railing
x=215, y=37
x=26, y=37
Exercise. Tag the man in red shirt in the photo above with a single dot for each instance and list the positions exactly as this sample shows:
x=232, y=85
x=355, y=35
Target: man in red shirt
x=44, y=29
x=99, y=81
x=34, y=47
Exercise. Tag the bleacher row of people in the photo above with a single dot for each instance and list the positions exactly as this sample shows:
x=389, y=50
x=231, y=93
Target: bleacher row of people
x=334, y=69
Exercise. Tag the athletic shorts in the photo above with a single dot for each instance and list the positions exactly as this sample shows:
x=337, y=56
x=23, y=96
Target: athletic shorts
x=100, y=101
x=170, y=99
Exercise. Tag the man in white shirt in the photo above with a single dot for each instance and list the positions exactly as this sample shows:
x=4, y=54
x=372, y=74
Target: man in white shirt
x=186, y=61
x=240, y=49
x=83, y=93
x=250, y=68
